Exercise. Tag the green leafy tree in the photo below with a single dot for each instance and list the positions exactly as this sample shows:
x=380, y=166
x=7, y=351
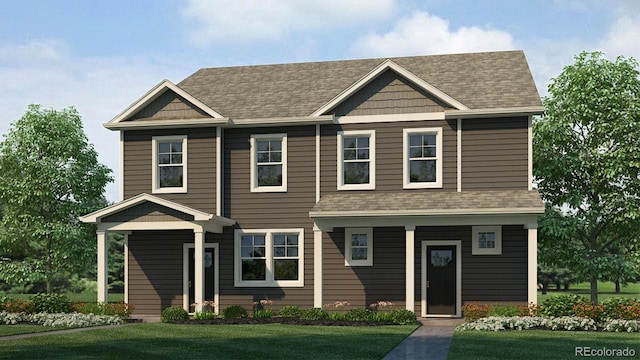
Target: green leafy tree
x=586, y=162
x=49, y=175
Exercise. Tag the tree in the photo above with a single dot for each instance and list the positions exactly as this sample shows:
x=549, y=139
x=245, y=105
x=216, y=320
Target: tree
x=586, y=162
x=49, y=175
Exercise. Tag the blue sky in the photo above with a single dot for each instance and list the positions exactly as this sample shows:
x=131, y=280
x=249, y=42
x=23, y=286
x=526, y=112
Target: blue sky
x=100, y=56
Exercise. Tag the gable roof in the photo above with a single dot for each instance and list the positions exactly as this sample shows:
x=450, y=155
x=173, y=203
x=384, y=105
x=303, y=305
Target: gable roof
x=477, y=81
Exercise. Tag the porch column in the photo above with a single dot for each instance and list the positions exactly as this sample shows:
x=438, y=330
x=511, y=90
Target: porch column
x=199, y=268
x=102, y=266
x=410, y=267
x=532, y=263
x=317, y=267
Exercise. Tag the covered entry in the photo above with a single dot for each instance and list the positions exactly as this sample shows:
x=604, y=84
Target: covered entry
x=147, y=213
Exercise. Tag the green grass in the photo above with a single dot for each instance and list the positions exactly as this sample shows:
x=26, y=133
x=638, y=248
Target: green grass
x=535, y=344
x=169, y=341
x=6, y=330
x=605, y=290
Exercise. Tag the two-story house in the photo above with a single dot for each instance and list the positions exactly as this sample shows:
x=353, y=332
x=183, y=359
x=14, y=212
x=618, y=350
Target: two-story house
x=406, y=180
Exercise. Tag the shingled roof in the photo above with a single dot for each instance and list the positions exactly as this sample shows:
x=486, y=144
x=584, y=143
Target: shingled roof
x=492, y=80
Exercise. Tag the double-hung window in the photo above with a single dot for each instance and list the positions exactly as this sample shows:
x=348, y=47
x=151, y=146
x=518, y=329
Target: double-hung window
x=269, y=257
x=356, y=160
x=169, y=168
x=269, y=163
x=358, y=247
x=422, y=153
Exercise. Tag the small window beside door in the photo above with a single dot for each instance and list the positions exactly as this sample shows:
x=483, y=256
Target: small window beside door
x=487, y=240
x=358, y=247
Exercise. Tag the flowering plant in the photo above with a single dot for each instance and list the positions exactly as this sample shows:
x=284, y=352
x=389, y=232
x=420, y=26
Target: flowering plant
x=380, y=305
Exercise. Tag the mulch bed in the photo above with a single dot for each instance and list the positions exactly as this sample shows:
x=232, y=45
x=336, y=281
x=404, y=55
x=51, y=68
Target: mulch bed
x=276, y=320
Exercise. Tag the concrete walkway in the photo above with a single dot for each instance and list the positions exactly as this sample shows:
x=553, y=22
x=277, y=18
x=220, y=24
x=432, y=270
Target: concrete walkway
x=431, y=341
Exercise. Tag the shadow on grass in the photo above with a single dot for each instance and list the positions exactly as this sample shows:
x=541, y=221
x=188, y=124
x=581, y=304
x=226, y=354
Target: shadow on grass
x=166, y=341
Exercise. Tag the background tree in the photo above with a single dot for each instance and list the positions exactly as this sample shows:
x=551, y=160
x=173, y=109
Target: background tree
x=49, y=175
x=586, y=162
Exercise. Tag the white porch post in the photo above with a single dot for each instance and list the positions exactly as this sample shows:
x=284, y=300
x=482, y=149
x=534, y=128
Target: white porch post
x=102, y=266
x=199, y=268
x=410, y=267
x=317, y=267
x=532, y=264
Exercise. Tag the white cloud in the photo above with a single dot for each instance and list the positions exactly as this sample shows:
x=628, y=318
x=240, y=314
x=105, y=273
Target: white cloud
x=422, y=33
x=622, y=38
x=43, y=72
x=235, y=21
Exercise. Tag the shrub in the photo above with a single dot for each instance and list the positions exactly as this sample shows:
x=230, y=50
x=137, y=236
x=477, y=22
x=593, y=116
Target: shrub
x=203, y=315
x=290, y=311
x=475, y=311
x=234, y=312
x=19, y=306
x=262, y=314
x=51, y=303
x=403, y=317
x=621, y=308
x=174, y=313
x=561, y=305
x=359, y=314
x=119, y=309
x=314, y=314
x=503, y=310
x=590, y=311
x=338, y=316
x=616, y=325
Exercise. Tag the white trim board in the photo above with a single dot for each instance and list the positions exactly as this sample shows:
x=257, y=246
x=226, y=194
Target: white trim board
x=216, y=274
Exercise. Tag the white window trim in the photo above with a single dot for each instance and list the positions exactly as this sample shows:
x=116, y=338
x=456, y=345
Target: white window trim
x=254, y=165
x=347, y=246
x=372, y=160
x=407, y=184
x=155, y=179
x=497, y=229
x=269, y=282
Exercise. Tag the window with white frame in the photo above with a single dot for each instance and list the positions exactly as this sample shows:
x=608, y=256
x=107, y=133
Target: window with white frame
x=269, y=163
x=358, y=247
x=356, y=160
x=422, y=153
x=487, y=240
x=269, y=258
x=169, y=168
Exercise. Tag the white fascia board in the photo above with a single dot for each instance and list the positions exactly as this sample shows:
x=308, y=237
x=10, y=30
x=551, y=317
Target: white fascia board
x=95, y=217
x=326, y=224
x=493, y=112
x=166, y=124
x=426, y=212
x=386, y=65
x=154, y=93
x=282, y=121
x=365, y=119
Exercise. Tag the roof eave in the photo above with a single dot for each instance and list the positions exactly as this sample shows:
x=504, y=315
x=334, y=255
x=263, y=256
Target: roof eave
x=493, y=112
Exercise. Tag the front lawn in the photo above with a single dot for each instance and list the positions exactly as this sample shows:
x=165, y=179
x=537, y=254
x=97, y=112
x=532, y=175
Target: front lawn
x=6, y=330
x=606, y=289
x=168, y=341
x=535, y=344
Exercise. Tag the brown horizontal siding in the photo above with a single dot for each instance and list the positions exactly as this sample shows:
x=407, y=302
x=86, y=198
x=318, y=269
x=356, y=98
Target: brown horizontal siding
x=495, y=154
x=155, y=269
x=169, y=106
x=201, y=166
x=390, y=93
x=389, y=161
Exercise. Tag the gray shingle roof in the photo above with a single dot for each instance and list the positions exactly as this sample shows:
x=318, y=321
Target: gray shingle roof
x=478, y=80
x=429, y=203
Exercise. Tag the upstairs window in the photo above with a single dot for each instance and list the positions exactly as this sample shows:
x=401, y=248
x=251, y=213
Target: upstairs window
x=422, y=158
x=169, y=174
x=356, y=160
x=269, y=163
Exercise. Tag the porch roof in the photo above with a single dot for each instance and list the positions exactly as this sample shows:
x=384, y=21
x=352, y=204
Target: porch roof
x=428, y=208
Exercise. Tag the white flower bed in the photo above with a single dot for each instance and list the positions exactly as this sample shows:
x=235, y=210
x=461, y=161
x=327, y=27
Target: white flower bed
x=71, y=320
x=620, y=325
x=499, y=323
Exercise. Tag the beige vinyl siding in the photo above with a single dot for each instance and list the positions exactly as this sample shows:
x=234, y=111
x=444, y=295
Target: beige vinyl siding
x=389, y=140
x=264, y=210
x=201, y=166
x=169, y=106
x=155, y=269
x=495, y=154
x=390, y=93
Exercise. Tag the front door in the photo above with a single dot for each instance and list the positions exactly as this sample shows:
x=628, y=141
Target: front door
x=441, y=287
x=209, y=274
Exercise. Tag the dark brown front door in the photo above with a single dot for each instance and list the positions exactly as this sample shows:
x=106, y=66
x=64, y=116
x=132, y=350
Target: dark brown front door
x=441, y=280
x=209, y=267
